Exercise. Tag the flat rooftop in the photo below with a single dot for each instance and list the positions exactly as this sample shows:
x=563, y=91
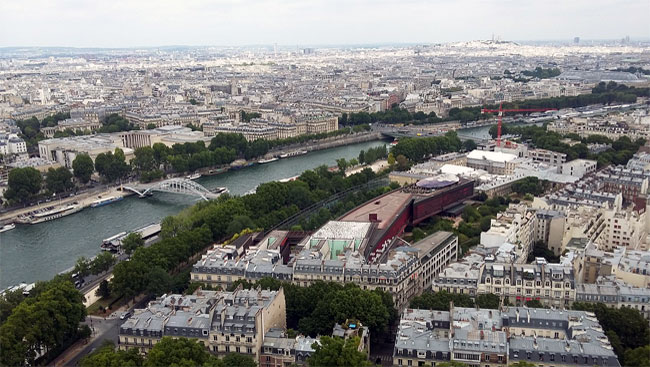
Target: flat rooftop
x=387, y=208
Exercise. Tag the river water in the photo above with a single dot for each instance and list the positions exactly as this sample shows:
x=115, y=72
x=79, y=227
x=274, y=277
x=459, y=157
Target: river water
x=38, y=252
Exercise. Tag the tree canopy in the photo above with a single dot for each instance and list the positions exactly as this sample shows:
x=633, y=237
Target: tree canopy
x=24, y=184
x=46, y=319
x=83, y=167
x=59, y=180
x=333, y=351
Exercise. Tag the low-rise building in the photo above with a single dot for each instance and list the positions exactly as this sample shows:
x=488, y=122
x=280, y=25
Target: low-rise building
x=547, y=156
x=497, y=163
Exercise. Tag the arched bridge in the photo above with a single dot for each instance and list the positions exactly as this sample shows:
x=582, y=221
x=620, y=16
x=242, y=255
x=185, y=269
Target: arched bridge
x=175, y=186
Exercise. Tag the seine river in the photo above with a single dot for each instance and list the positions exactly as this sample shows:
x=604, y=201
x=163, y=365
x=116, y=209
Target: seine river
x=38, y=252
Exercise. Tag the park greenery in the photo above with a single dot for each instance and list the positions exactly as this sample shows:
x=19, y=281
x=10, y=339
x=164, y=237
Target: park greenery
x=168, y=352
x=538, y=137
x=627, y=330
x=58, y=180
x=31, y=128
x=530, y=185
x=195, y=228
x=112, y=166
x=100, y=264
x=542, y=73
x=372, y=154
x=83, y=168
x=603, y=93
x=45, y=322
x=440, y=301
x=335, y=352
x=420, y=149
x=23, y=185
x=314, y=310
x=247, y=117
x=475, y=220
x=114, y=123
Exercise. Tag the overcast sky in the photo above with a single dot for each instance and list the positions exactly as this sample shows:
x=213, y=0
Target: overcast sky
x=132, y=23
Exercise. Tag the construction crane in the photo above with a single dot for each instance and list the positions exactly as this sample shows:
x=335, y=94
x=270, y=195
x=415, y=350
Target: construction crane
x=501, y=111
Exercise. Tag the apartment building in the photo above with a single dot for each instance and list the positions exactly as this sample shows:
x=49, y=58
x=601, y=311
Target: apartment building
x=224, y=322
x=241, y=319
x=578, y=167
x=333, y=253
x=280, y=351
x=516, y=225
x=615, y=293
x=479, y=337
x=551, y=284
x=550, y=229
x=12, y=144
x=629, y=266
x=173, y=315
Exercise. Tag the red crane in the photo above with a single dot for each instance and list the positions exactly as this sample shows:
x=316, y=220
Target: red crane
x=501, y=111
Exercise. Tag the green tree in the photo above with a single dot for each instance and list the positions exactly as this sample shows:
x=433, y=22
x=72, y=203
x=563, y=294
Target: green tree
x=104, y=291
x=485, y=223
x=402, y=163
x=638, y=356
x=489, y=300
x=522, y=364
x=8, y=301
x=24, y=184
x=59, y=180
x=391, y=159
x=131, y=242
x=158, y=281
x=112, y=166
x=342, y=164
x=144, y=159
x=440, y=301
x=333, y=352
x=82, y=267
x=102, y=263
x=107, y=356
x=451, y=364
x=42, y=322
x=83, y=167
x=178, y=352
x=238, y=360
x=469, y=145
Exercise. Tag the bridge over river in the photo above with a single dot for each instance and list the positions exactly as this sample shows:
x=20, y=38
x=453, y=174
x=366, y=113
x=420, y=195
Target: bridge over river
x=181, y=186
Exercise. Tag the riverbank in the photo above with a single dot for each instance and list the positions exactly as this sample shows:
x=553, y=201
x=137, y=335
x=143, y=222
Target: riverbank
x=84, y=199
x=35, y=252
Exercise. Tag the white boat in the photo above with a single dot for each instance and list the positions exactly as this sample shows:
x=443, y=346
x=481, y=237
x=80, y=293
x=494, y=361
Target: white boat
x=52, y=214
x=194, y=176
x=219, y=190
x=293, y=154
x=106, y=201
x=263, y=161
x=7, y=227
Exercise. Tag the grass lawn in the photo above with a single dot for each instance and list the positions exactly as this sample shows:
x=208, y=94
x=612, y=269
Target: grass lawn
x=94, y=309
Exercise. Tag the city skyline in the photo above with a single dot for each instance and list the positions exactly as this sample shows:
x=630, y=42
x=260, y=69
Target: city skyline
x=121, y=24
